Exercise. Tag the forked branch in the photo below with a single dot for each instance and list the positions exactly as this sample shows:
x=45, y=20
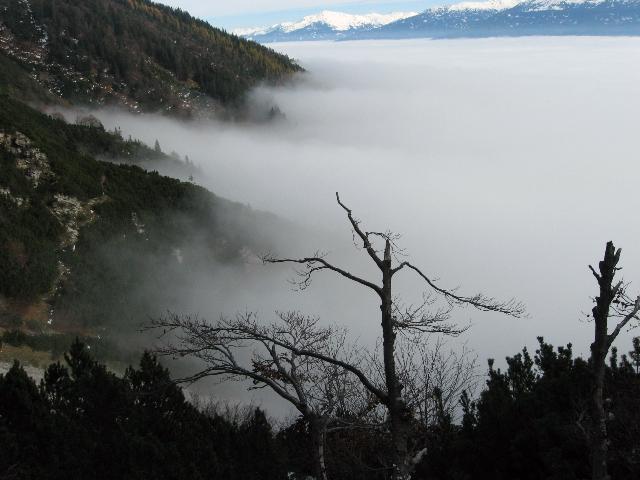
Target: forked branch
x=632, y=315
x=213, y=344
x=366, y=242
x=316, y=264
x=511, y=307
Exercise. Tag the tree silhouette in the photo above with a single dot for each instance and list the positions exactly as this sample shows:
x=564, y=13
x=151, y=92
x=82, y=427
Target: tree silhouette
x=612, y=302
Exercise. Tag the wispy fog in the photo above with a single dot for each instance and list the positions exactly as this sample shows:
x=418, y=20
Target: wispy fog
x=505, y=163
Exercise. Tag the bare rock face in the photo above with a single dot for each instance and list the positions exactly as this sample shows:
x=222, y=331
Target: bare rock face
x=18, y=201
x=73, y=214
x=140, y=227
x=67, y=210
x=70, y=212
x=30, y=159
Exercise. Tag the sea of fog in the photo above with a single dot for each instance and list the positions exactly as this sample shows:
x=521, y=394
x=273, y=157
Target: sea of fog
x=506, y=164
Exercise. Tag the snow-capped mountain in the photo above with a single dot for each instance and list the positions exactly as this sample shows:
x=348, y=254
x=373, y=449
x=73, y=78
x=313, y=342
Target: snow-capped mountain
x=486, y=5
x=515, y=18
x=468, y=19
x=326, y=25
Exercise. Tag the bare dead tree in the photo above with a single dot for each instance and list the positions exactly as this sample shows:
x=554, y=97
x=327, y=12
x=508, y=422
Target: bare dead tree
x=382, y=249
x=435, y=375
x=612, y=302
x=288, y=356
x=233, y=412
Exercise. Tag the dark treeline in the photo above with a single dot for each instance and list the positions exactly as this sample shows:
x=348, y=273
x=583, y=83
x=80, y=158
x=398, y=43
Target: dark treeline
x=527, y=423
x=84, y=422
x=530, y=421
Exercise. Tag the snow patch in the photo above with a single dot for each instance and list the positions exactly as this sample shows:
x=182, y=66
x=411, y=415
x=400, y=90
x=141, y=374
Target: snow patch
x=488, y=5
x=337, y=21
x=544, y=5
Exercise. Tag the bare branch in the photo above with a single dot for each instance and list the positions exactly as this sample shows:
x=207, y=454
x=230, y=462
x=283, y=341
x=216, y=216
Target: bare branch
x=633, y=314
x=299, y=336
x=355, y=224
x=315, y=264
x=595, y=274
x=487, y=304
x=426, y=366
x=241, y=372
x=334, y=361
x=420, y=319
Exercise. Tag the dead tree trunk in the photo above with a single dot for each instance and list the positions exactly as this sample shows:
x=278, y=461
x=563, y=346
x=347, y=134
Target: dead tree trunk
x=318, y=429
x=611, y=301
x=400, y=416
x=599, y=349
x=278, y=361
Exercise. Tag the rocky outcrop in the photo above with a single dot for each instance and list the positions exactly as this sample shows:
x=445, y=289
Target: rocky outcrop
x=29, y=158
x=71, y=212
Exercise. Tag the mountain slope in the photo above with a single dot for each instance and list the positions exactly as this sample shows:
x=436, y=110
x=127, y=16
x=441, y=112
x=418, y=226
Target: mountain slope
x=135, y=53
x=93, y=247
x=508, y=18
x=326, y=25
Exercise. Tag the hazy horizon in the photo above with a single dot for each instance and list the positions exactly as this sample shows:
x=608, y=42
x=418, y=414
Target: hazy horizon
x=241, y=14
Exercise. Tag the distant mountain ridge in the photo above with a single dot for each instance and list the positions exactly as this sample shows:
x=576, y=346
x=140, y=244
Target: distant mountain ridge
x=493, y=18
x=530, y=17
x=326, y=25
x=133, y=53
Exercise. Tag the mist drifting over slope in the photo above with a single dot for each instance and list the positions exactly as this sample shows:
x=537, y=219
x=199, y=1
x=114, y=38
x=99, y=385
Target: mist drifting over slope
x=505, y=163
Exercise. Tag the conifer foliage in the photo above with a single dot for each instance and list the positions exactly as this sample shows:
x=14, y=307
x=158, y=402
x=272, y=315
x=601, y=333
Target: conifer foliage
x=133, y=52
x=83, y=421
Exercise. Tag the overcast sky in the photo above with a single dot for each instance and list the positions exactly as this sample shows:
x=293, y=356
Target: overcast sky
x=249, y=13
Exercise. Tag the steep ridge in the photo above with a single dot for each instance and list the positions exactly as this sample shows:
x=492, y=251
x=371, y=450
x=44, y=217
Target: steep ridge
x=93, y=248
x=132, y=53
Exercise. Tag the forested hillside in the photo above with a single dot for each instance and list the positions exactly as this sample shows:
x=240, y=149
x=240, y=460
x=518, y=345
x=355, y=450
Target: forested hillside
x=85, y=422
x=133, y=53
x=528, y=423
x=89, y=246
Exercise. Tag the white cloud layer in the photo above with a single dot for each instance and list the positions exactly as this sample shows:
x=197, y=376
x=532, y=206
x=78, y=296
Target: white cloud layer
x=506, y=163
